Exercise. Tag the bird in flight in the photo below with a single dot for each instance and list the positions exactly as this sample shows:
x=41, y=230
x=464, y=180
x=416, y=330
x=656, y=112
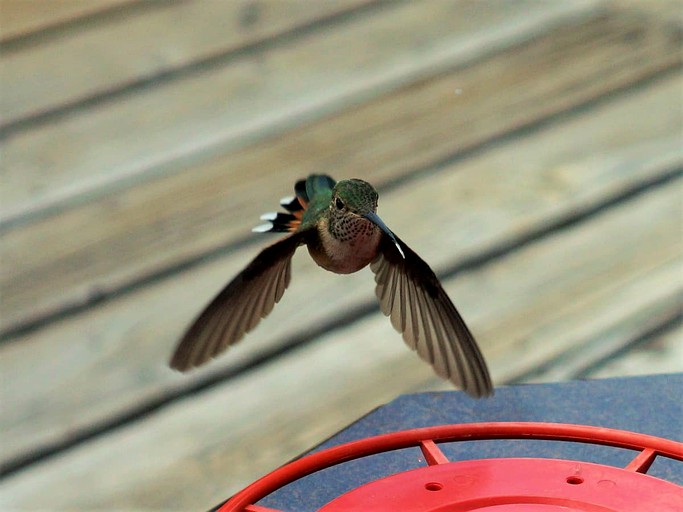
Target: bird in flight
x=338, y=223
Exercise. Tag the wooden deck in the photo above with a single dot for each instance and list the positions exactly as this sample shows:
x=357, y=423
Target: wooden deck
x=530, y=151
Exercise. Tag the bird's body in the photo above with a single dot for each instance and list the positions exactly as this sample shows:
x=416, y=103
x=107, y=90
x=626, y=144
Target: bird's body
x=348, y=254
x=339, y=225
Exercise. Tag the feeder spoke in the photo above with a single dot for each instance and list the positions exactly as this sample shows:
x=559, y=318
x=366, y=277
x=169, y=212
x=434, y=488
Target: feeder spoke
x=642, y=462
x=433, y=454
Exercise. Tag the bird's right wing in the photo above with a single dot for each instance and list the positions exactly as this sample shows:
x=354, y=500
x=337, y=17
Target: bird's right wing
x=239, y=307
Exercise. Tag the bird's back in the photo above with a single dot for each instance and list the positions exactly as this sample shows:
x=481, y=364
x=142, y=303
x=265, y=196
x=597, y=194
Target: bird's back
x=318, y=194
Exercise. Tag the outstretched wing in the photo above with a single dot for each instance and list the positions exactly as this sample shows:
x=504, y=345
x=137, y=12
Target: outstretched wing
x=239, y=307
x=419, y=308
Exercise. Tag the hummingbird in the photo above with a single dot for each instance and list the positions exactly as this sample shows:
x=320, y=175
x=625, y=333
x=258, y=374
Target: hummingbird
x=339, y=225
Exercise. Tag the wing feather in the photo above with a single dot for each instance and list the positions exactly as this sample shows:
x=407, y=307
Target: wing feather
x=239, y=307
x=412, y=297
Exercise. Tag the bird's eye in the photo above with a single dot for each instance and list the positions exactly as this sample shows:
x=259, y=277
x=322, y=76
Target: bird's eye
x=339, y=204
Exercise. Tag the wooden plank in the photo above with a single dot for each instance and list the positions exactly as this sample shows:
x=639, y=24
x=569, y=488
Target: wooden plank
x=21, y=17
x=642, y=308
x=60, y=260
x=116, y=52
x=667, y=10
x=578, y=364
x=121, y=349
x=660, y=354
x=199, y=451
x=269, y=90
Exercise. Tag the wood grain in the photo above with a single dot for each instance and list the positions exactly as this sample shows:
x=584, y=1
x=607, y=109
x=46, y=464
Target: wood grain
x=22, y=17
x=660, y=354
x=62, y=260
x=148, y=43
x=666, y=10
x=116, y=354
x=180, y=119
x=198, y=451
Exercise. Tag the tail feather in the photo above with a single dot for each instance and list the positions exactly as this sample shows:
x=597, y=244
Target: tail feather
x=284, y=223
x=296, y=206
x=300, y=191
x=292, y=204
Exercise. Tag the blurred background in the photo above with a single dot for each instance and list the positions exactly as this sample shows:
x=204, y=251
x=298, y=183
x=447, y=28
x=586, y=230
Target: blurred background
x=529, y=150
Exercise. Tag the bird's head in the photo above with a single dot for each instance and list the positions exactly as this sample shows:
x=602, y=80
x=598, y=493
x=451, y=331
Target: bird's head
x=355, y=200
x=354, y=197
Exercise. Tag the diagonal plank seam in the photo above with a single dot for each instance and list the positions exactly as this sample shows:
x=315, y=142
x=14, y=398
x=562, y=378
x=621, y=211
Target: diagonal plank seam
x=529, y=128
x=583, y=370
x=667, y=325
x=58, y=29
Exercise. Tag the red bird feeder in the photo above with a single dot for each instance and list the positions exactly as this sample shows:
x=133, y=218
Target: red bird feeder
x=499, y=484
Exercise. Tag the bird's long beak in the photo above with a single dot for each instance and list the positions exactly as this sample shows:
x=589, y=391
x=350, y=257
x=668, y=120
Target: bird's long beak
x=374, y=218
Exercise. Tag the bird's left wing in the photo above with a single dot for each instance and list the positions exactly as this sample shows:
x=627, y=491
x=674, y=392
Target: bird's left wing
x=419, y=308
x=239, y=307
